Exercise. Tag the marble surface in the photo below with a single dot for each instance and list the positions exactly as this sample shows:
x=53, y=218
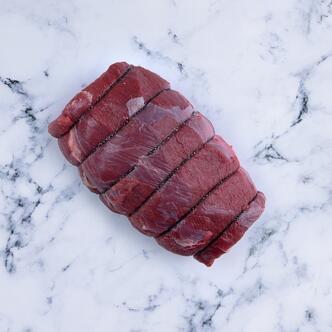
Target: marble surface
x=262, y=71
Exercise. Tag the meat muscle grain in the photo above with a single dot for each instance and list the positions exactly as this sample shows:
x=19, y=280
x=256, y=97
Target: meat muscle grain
x=186, y=187
x=234, y=232
x=131, y=92
x=142, y=133
x=131, y=191
x=208, y=219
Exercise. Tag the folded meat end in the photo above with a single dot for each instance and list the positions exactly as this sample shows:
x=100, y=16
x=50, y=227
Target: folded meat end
x=232, y=234
x=83, y=137
x=131, y=191
x=144, y=132
x=125, y=98
x=86, y=182
x=211, y=217
x=86, y=98
x=215, y=161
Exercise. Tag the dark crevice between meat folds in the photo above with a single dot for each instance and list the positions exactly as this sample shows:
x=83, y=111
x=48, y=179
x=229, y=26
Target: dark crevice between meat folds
x=153, y=150
x=102, y=96
x=227, y=227
x=200, y=201
x=173, y=172
x=124, y=124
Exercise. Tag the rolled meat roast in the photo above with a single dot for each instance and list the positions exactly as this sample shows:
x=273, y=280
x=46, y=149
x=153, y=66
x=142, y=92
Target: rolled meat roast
x=151, y=156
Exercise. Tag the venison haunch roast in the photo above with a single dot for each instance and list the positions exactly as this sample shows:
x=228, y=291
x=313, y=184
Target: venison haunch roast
x=150, y=156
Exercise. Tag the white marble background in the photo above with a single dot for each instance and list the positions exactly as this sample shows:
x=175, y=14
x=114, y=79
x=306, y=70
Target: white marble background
x=262, y=71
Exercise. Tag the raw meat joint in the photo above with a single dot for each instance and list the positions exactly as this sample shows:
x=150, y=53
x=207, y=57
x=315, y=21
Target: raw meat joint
x=149, y=155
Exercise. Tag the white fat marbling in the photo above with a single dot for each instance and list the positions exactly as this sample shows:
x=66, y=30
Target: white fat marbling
x=262, y=71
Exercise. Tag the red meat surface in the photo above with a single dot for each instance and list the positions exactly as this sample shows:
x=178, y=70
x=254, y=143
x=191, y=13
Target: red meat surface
x=150, y=156
x=87, y=98
x=131, y=191
x=211, y=217
x=131, y=93
x=142, y=133
x=185, y=188
x=234, y=232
